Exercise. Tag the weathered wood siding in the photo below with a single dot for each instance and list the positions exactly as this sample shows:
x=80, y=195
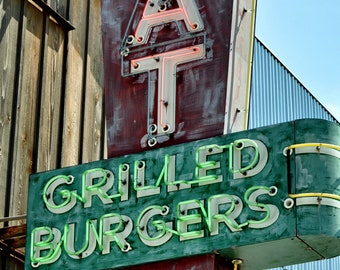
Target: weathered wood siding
x=51, y=95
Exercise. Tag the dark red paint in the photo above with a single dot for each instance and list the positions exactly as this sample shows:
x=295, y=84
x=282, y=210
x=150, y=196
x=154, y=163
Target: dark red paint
x=201, y=85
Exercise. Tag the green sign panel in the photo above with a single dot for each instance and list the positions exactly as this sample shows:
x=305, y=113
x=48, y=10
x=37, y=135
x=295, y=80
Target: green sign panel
x=230, y=194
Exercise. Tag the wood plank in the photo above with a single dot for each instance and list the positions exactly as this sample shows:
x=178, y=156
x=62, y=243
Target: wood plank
x=53, y=14
x=93, y=142
x=59, y=6
x=50, y=111
x=14, y=254
x=10, y=18
x=26, y=110
x=71, y=149
x=16, y=242
x=14, y=231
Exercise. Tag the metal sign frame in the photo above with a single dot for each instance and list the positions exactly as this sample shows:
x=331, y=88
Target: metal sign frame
x=231, y=194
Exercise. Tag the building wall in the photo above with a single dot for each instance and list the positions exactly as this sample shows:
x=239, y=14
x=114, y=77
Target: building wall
x=277, y=95
x=329, y=264
x=51, y=100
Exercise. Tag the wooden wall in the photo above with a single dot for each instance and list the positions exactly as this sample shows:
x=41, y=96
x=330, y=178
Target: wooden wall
x=51, y=93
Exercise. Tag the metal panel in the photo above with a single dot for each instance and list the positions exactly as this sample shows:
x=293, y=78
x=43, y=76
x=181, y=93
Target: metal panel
x=240, y=66
x=206, y=92
x=276, y=95
x=329, y=264
x=203, y=262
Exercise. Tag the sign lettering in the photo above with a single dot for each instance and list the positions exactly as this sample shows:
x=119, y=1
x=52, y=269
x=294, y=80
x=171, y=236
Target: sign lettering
x=166, y=63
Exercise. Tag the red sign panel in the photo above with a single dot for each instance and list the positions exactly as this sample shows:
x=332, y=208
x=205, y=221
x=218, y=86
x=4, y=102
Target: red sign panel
x=166, y=66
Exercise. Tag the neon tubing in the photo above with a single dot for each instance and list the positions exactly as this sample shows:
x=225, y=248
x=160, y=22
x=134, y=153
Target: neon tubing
x=246, y=196
x=47, y=242
x=322, y=195
x=158, y=224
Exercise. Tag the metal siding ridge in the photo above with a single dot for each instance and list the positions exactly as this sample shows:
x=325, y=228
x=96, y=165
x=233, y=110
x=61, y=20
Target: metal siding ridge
x=277, y=95
x=327, y=264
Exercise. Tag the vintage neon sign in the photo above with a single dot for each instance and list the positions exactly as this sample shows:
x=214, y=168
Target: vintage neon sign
x=158, y=13
x=54, y=241
x=207, y=212
x=213, y=192
x=99, y=183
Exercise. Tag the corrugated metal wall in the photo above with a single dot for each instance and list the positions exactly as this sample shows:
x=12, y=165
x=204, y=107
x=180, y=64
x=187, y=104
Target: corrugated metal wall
x=51, y=95
x=276, y=95
x=330, y=264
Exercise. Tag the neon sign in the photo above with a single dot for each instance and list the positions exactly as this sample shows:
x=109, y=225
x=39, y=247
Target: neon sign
x=159, y=13
x=207, y=211
x=101, y=236
x=199, y=197
x=166, y=64
x=166, y=71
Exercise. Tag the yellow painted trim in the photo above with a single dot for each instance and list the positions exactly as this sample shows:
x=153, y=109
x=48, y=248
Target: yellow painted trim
x=301, y=145
x=323, y=195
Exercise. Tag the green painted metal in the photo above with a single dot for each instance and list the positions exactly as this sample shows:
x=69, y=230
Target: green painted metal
x=275, y=191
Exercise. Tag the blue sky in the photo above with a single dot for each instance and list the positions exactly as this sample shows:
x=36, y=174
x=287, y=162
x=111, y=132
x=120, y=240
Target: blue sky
x=305, y=36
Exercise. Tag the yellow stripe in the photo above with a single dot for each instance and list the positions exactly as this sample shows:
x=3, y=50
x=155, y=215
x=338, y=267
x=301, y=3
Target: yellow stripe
x=324, y=195
x=301, y=145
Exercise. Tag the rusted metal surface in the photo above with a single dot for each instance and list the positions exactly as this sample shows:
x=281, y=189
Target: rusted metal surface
x=200, y=85
x=241, y=195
